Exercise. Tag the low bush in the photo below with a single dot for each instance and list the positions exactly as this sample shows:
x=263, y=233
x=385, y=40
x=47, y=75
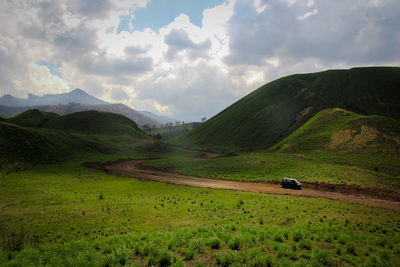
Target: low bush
x=215, y=243
x=235, y=243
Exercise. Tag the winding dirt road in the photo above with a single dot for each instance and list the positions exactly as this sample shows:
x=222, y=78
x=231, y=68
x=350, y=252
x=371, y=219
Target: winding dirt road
x=134, y=168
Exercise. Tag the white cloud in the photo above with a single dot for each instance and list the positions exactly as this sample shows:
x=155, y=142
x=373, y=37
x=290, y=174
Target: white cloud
x=184, y=70
x=160, y=108
x=308, y=14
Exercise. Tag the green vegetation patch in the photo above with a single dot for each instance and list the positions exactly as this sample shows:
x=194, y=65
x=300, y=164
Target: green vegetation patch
x=61, y=138
x=34, y=145
x=344, y=132
x=367, y=170
x=277, y=109
x=32, y=118
x=96, y=122
x=63, y=214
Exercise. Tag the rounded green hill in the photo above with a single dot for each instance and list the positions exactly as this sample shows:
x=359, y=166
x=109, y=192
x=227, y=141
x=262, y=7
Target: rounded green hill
x=32, y=118
x=277, y=109
x=340, y=131
x=95, y=122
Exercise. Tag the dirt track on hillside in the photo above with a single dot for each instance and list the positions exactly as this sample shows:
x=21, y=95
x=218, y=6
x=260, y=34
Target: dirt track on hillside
x=367, y=196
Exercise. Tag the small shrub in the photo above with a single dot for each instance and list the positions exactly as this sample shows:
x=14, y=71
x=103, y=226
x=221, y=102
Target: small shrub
x=283, y=251
x=226, y=260
x=197, y=245
x=342, y=239
x=188, y=254
x=235, y=243
x=215, y=243
x=321, y=257
x=297, y=236
x=373, y=261
x=165, y=258
x=15, y=241
x=122, y=255
x=278, y=238
x=101, y=196
x=351, y=249
x=262, y=261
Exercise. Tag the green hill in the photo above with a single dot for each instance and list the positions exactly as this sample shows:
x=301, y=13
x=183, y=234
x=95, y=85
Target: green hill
x=277, y=109
x=33, y=145
x=96, y=122
x=341, y=131
x=63, y=137
x=32, y=118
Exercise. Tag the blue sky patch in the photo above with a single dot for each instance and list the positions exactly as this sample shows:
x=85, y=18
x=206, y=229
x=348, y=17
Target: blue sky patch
x=159, y=13
x=53, y=68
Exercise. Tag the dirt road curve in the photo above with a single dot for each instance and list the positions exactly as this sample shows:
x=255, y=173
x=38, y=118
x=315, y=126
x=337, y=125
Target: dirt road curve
x=133, y=168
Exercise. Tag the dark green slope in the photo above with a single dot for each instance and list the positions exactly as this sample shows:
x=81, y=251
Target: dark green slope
x=63, y=137
x=32, y=118
x=341, y=131
x=277, y=109
x=34, y=145
x=96, y=122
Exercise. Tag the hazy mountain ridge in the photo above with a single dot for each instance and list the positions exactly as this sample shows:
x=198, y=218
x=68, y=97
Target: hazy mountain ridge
x=75, y=96
x=163, y=119
x=76, y=101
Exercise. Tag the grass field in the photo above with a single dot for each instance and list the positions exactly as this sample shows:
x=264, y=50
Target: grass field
x=66, y=215
x=265, y=166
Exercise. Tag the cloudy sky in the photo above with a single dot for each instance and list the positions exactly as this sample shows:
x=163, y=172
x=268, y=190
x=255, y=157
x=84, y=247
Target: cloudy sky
x=186, y=58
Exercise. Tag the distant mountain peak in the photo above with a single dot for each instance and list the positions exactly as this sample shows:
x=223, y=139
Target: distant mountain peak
x=76, y=96
x=78, y=91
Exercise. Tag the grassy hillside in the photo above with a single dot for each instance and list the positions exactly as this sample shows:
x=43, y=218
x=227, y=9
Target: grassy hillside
x=32, y=145
x=341, y=131
x=96, y=122
x=63, y=137
x=168, y=133
x=32, y=118
x=277, y=109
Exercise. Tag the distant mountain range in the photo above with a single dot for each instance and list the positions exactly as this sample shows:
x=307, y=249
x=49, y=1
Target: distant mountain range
x=76, y=101
x=163, y=119
x=75, y=96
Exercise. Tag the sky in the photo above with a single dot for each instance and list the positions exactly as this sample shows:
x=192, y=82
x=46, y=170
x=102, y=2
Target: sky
x=186, y=59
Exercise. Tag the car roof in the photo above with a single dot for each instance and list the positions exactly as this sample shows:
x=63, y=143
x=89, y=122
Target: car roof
x=287, y=178
x=290, y=179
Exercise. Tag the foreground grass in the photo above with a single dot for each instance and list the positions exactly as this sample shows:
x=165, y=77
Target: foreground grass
x=64, y=214
x=262, y=166
x=328, y=243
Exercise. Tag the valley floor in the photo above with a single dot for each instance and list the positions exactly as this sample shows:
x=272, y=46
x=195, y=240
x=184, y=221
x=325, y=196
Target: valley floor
x=65, y=214
x=367, y=196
